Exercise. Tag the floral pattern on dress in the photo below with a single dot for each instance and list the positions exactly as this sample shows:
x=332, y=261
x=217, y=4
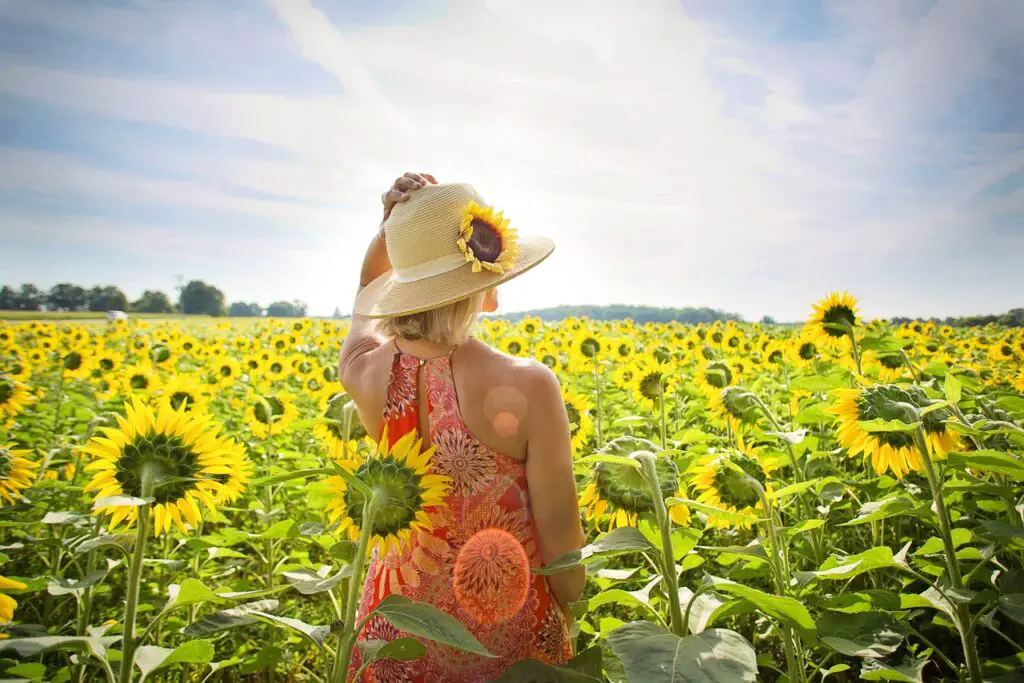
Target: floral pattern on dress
x=489, y=491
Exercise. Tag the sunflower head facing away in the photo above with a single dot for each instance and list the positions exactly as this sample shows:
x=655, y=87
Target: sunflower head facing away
x=17, y=473
x=887, y=451
x=724, y=482
x=178, y=459
x=623, y=493
x=403, y=488
x=734, y=407
x=833, y=319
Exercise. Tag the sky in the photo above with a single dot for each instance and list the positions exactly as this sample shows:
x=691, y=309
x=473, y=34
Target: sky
x=747, y=155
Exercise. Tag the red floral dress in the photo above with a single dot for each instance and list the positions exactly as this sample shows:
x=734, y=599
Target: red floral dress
x=488, y=491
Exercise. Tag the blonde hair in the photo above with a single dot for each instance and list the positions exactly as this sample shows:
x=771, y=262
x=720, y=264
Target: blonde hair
x=449, y=324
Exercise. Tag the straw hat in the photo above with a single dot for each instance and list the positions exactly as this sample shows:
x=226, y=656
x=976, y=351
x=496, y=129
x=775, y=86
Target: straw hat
x=446, y=244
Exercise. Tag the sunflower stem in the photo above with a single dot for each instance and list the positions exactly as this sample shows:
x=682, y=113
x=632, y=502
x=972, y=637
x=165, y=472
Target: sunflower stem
x=649, y=462
x=600, y=412
x=128, y=641
x=856, y=351
x=781, y=571
x=797, y=469
x=963, y=620
x=661, y=402
x=85, y=607
x=350, y=631
x=913, y=370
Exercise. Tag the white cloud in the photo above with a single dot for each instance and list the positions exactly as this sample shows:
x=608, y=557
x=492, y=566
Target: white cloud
x=608, y=128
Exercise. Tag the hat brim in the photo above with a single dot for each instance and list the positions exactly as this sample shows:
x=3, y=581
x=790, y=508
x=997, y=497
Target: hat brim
x=385, y=297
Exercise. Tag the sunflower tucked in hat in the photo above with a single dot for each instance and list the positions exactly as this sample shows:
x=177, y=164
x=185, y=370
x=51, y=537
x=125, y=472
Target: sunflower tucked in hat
x=446, y=244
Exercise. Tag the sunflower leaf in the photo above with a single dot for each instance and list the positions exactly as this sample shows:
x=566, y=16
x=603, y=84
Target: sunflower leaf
x=314, y=634
x=651, y=654
x=783, y=608
x=611, y=459
x=989, y=461
x=149, y=658
x=625, y=539
x=718, y=513
x=426, y=621
x=883, y=425
x=120, y=502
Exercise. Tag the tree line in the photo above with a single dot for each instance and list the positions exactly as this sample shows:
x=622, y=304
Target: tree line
x=640, y=314
x=195, y=298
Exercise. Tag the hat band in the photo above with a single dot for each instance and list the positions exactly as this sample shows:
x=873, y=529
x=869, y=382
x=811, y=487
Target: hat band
x=421, y=271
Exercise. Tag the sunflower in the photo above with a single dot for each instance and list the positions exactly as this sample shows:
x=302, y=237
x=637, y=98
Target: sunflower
x=14, y=396
x=514, y=345
x=185, y=392
x=530, y=325
x=546, y=354
x=586, y=350
x=16, y=365
x=722, y=487
x=893, y=451
x=275, y=368
x=140, y=379
x=773, y=353
x=886, y=366
x=803, y=351
x=734, y=407
x=652, y=380
x=270, y=413
x=1001, y=351
x=17, y=473
x=581, y=425
x=400, y=476
x=486, y=240
x=623, y=492
x=714, y=377
x=227, y=371
x=331, y=427
x=177, y=458
x=833, y=320
x=7, y=603
x=619, y=349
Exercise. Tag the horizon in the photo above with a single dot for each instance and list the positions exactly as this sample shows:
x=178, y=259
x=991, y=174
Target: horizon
x=749, y=158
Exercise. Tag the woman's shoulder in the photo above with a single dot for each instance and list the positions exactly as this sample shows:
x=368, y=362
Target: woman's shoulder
x=526, y=374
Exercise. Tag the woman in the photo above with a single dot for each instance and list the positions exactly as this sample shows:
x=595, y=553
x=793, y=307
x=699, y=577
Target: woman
x=497, y=422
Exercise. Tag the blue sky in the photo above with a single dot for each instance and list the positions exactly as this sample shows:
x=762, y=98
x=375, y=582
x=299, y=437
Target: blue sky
x=746, y=155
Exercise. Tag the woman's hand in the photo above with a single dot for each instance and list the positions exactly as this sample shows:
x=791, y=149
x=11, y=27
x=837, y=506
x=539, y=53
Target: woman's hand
x=376, y=261
x=403, y=188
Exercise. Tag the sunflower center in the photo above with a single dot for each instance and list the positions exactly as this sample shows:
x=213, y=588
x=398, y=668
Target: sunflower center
x=890, y=361
x=168, y=457
x=160, y=353
x=106, y=364
x=6, y=391
x=838, y=319
x=775, y=357
x=73, y=360
x=627, y=489
x=589, y=347
x=225, y=371
x=515, y=347
x=139, y=382
x=485, y=241
x=807, y=351
x=650, y=385
x=549, y=360
x=276, y=368
x=399, y=489
x=276, y=408
x=180, y=398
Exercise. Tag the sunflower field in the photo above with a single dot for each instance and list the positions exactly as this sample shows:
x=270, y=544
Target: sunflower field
x=836, y=501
